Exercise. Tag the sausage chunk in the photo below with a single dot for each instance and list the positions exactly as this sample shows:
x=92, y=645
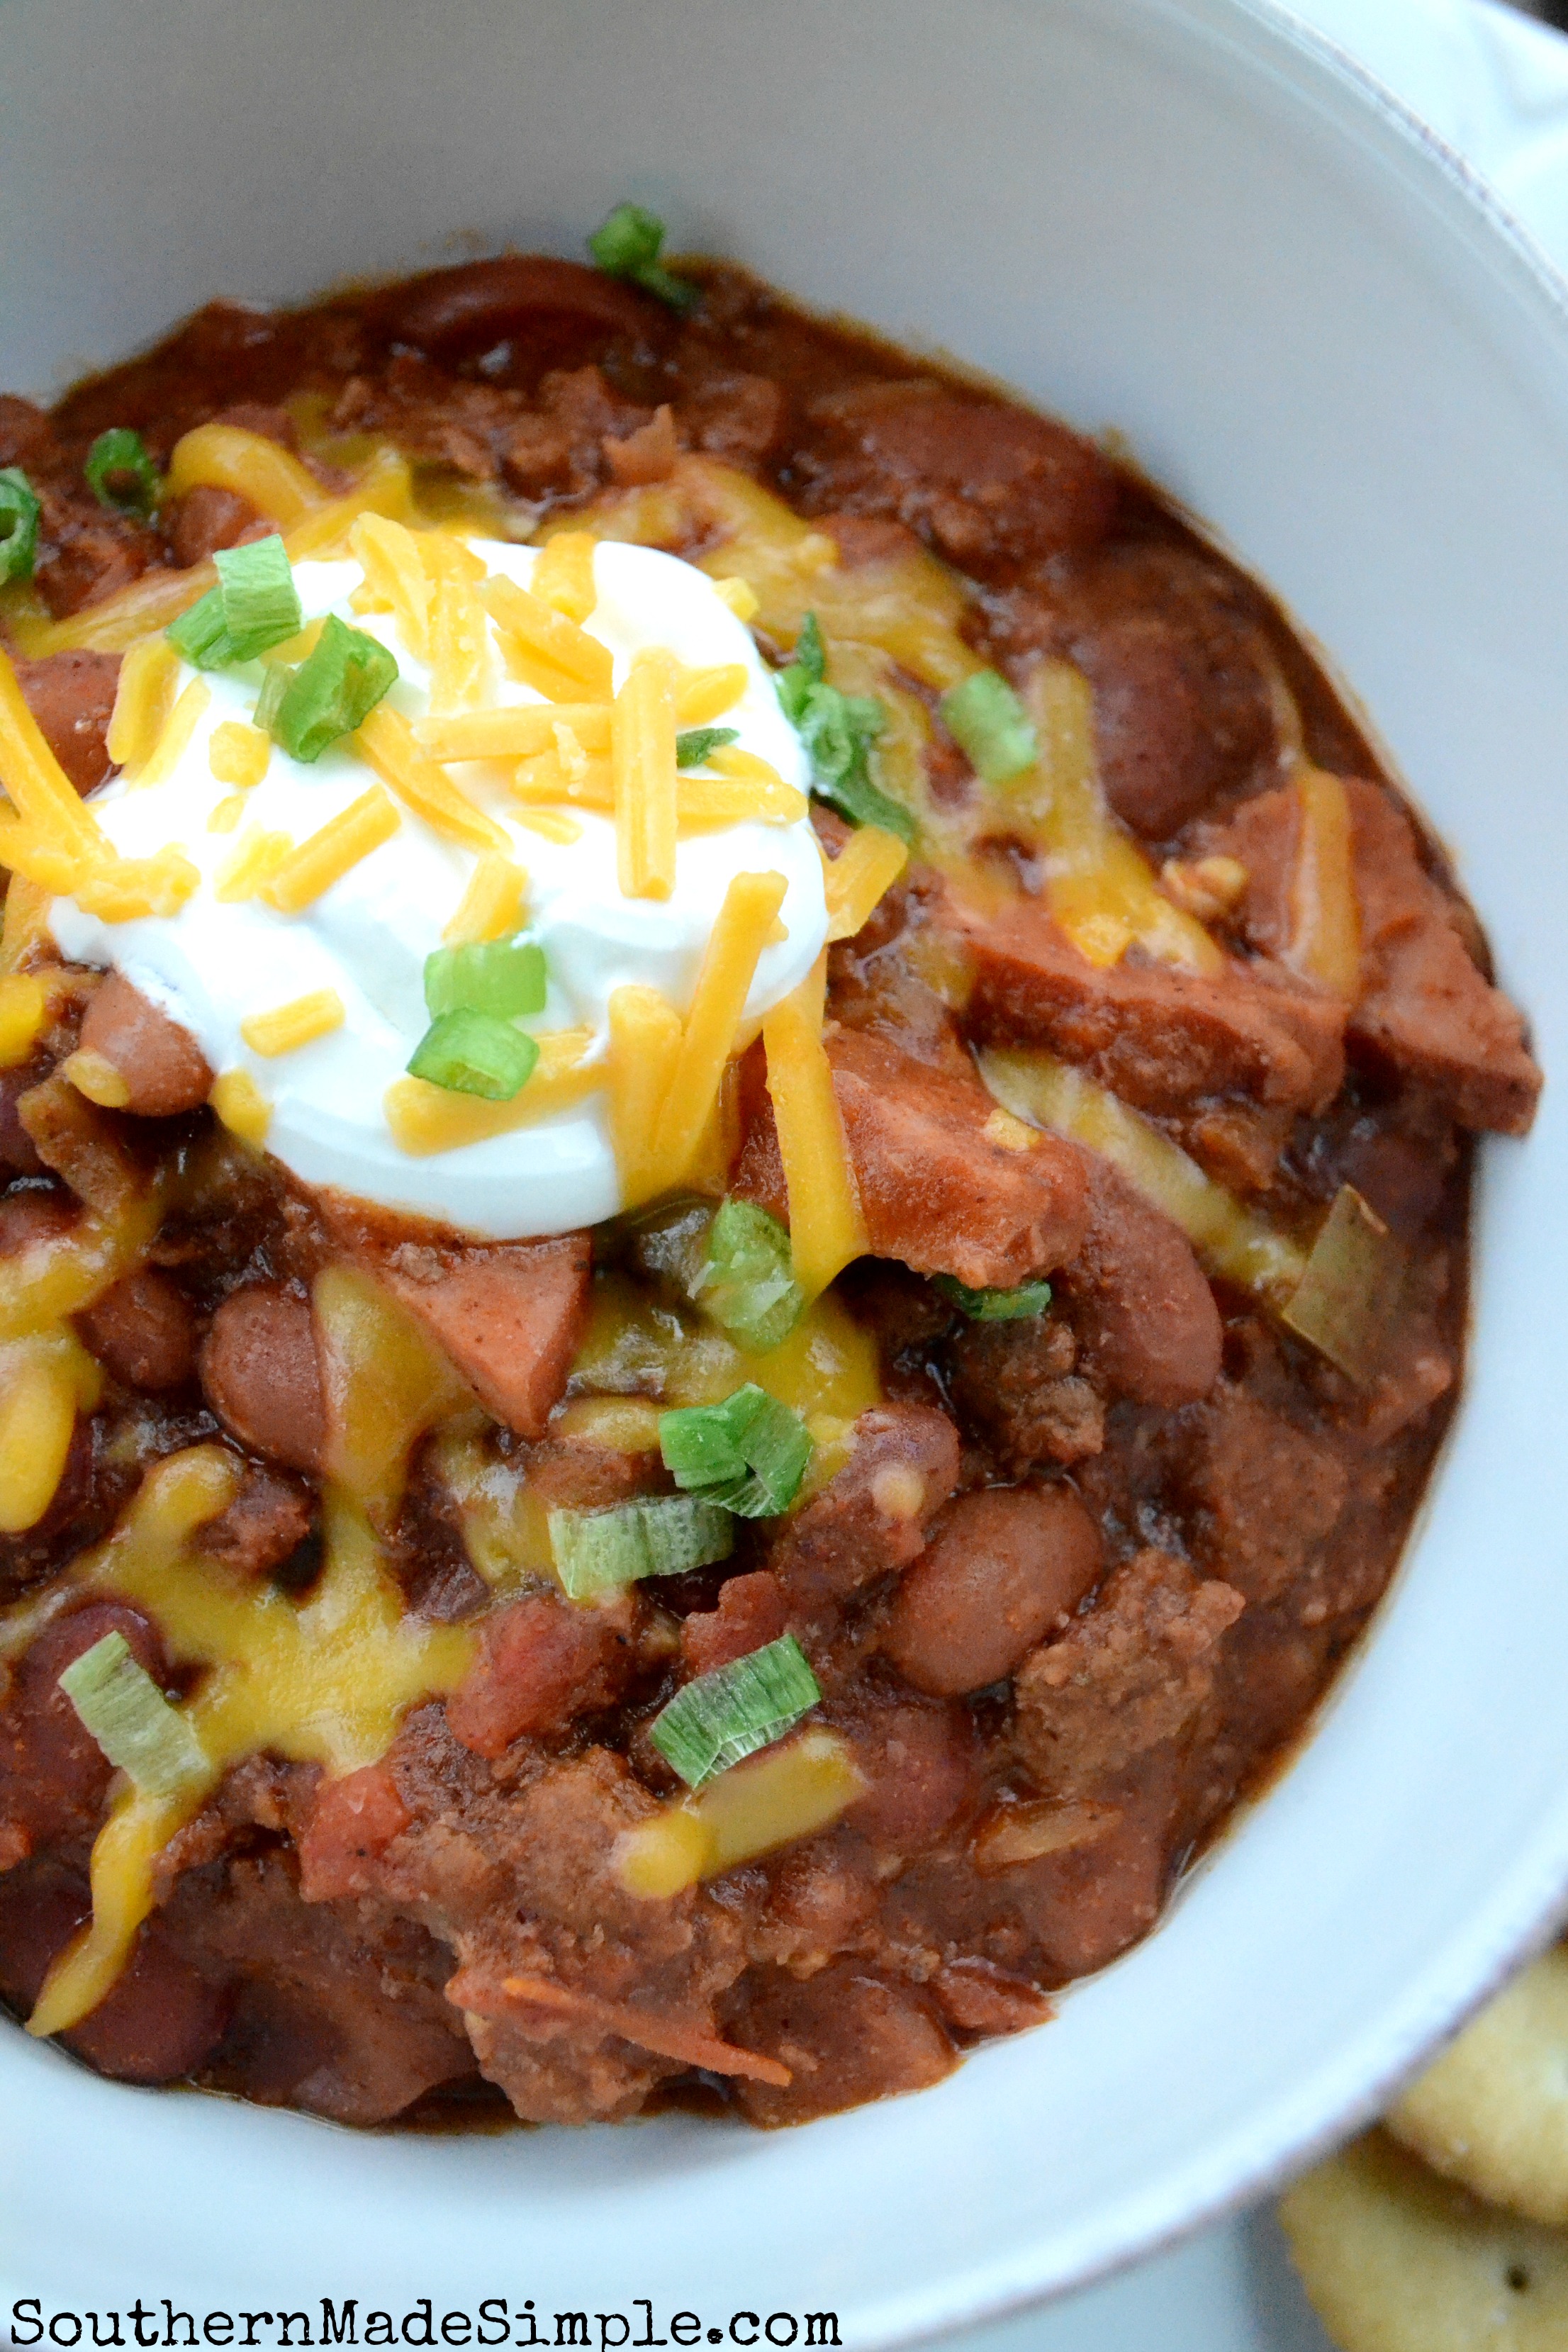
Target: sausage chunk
x=262, y=1376
x=541, y=1663
x=1001, y=1569
x=71, y=696
x=159, y=1062
x=872, y=1515
x=509, y=1318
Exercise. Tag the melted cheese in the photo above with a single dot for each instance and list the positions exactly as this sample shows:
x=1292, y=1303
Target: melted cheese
x=324, y=1681
x=827, y=1226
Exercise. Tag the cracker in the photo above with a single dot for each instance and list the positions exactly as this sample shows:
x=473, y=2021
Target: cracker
x=1396, y=2259
x=1493, y=2111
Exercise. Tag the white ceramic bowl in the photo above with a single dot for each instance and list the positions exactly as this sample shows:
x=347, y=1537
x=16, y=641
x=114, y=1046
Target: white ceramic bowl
x=1187, y=219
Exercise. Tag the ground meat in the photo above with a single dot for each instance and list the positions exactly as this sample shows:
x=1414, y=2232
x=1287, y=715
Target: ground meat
x=265, y=1528
x=872, y=1515
x=1266, y=1494
x=205, y=519
x=751, y=1612
x=1015, y=1380
x=1000, y=1570
x=1131, y=1675
x=541, y=1663
x=846, y=2035
x=987, y=483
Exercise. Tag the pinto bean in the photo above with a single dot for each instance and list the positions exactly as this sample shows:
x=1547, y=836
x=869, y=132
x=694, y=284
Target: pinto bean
x=450, y=312
x=1002, y=1567
x=918, y=1761
x=53, y=1773
x=262, y=1377
x=71, y=696
x=142, y=1330
x=160, y=1063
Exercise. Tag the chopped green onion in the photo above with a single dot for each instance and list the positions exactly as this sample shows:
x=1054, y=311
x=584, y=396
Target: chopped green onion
x=132, y=1722
x=996, y=1306
x=628, y=244
x=503, y=977
x=1352, y=1289
x=599, y=1552
x=749, y=1453
x=274, y=687
x=720, y=1717
x=19, y=513
x=254, y=604
x=693, y=745
x=837, y=731
x=334, y=690
x=748, y=1285
x=122, y=475
x=989, y=723
x=475, y=1054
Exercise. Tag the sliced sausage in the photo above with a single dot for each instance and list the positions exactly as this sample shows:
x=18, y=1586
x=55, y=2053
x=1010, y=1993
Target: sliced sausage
x=1002, y=1567
x=71, y=696
x=262, y=1377
x=159, y=1062
x=205, y=519
x=509, y=1316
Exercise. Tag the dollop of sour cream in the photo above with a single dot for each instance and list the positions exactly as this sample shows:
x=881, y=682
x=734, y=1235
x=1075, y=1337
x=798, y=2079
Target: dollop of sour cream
x=214, y=964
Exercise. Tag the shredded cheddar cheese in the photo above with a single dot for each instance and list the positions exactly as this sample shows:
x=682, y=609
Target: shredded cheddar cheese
x=869, y=865
x=543, y=649
x=226, y=813
x=1231, y=1240
x=256, y=856
x=24, y=1010
x=827, y=1228
x=394, y=574
x=740, y=597
x=96, y=1076
x=227, y=458
x=244, y=1109
x=325, y=857
x=492, y=904
x=238, y=754
x=298, y=1023
x=791, y=1791
x=564, y=575
x=643, y=757
x=426, y=1118
x=181, y=725
x=386, y=742
x=1325, y=917
x=701, y=694
x=644, y=1044
x=513, y=731
x=144, y=699
x=126, y=890
x=327, y=1681
x=750, y=908
x=459, y=647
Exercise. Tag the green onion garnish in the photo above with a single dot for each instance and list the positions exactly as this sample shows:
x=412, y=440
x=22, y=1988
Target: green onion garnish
x=720, y=1717
x=475, y=1054
x=747, y=1285
x=333, y=690
x=989, y=723
x=628, y=243
x=274, y=687
x=19, y=513
x=502, y=977
x=749, y=1453
x=693, y=745
x=996, y=1306
x=132, y=1722
x=599, y=1552
x=122, y=475
x=254, y=604
x=837, y=731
